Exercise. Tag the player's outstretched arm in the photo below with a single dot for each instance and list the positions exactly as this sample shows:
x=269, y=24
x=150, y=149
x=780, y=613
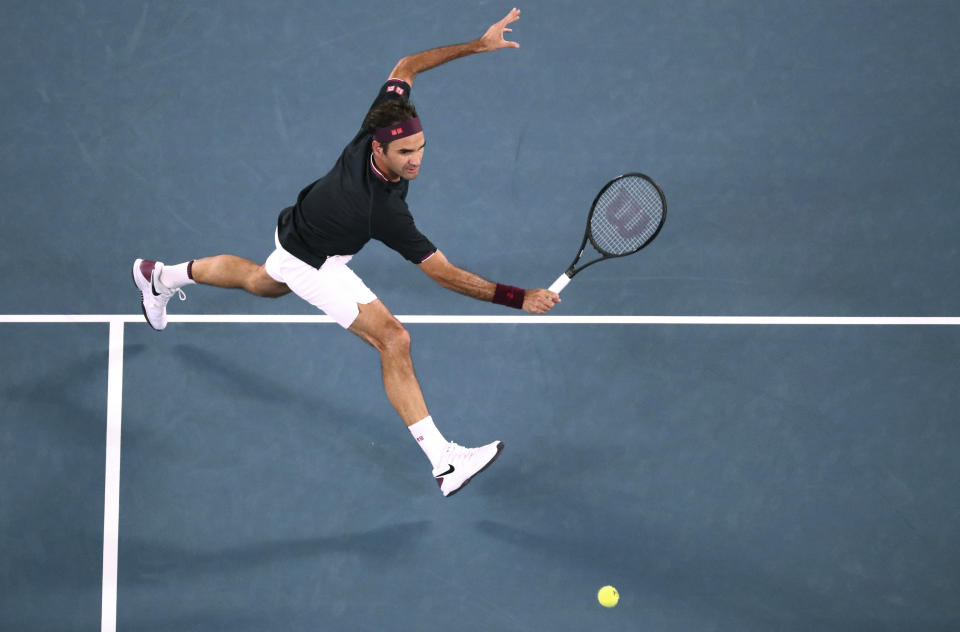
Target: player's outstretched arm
x=438, y=268
x=408, y=67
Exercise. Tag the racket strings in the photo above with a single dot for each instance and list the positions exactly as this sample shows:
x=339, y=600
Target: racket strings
x=626, y=216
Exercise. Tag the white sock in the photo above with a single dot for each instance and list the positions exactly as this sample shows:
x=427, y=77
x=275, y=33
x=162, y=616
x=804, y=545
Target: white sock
x=429, y=439
x=177, y=276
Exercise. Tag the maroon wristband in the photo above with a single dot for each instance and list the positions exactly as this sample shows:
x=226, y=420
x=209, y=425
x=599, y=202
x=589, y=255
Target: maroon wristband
x=509, y=296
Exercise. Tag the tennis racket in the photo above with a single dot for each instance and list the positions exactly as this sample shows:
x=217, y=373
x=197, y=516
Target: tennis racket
x=626, y=216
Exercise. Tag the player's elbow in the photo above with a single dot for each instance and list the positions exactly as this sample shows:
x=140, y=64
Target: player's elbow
x=445, y=279
x=441, y=277
x=439, y=269
x=446, y=283
x=404, y=71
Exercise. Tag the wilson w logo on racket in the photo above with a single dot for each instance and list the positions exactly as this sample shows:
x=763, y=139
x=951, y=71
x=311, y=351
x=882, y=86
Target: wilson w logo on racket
x=626, y=215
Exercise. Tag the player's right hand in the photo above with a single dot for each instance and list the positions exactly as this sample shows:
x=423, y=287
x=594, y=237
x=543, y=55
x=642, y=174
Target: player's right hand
x=539, y=301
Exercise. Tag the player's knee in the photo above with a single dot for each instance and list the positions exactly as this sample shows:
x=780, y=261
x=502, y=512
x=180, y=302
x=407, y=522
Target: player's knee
x=396, y=339
x=250, y=284
x=271, y=291
x=259, y=284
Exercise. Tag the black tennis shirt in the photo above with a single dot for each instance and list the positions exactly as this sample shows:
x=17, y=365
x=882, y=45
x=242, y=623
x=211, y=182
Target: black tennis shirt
x=352, y=204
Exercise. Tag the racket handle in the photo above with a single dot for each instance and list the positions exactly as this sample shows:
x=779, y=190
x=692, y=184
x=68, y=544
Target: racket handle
x=560, y=283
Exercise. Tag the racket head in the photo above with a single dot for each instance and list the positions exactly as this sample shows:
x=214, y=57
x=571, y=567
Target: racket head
x=626, y=215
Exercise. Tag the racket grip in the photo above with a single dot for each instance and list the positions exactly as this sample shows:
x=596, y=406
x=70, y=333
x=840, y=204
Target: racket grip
x=560, y=283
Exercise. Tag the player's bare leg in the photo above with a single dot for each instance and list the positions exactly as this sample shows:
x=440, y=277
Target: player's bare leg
x=237, y=272
x=453, y=465
x=386, y=334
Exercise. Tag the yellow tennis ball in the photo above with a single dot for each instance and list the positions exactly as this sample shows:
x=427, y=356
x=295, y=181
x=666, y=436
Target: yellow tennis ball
x=608, y=596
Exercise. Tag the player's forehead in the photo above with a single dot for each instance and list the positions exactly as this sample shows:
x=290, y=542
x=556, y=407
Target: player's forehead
x=412, y=142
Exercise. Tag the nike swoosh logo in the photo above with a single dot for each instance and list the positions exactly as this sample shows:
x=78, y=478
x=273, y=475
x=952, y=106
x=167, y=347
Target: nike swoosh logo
x=450, y=471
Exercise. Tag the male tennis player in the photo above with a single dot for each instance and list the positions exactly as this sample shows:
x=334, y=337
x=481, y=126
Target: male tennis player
x=363, y=197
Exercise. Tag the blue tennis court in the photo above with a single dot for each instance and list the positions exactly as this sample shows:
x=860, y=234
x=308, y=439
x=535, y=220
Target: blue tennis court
x=750, y=425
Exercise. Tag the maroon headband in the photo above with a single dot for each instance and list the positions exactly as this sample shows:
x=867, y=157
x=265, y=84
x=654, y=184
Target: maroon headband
x=397, y=130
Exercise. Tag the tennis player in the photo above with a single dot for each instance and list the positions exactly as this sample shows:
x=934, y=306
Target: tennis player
x=363, y=197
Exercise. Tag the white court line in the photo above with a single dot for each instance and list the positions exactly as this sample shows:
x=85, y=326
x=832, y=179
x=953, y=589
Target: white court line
x=519, y=319
x=111, y=494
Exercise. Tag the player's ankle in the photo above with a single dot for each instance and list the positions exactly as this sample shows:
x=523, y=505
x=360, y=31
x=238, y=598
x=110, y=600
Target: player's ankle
x=175, y=277
x=429, y=439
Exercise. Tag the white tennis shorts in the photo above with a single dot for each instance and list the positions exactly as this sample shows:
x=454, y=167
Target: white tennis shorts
x=333, y=288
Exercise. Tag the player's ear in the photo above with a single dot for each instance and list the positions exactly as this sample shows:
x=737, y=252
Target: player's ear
x=377, y=148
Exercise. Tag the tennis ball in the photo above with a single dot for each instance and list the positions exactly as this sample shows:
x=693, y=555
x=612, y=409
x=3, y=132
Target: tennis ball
x=608, y=596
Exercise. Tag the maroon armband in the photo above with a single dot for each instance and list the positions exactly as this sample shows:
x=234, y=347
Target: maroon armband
x=509, y=296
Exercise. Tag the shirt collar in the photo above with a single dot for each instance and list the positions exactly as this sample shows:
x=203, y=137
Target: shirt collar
x=373, y=166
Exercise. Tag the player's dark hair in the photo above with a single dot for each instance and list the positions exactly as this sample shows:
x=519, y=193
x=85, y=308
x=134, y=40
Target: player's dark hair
x=389, y=113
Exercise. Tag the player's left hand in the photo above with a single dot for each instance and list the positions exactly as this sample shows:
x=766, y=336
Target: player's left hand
x=539, y=301
x=493, y=39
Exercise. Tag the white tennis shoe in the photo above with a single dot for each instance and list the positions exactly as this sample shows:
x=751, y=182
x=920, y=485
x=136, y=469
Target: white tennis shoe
x=146, y=274
x=460, y=464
